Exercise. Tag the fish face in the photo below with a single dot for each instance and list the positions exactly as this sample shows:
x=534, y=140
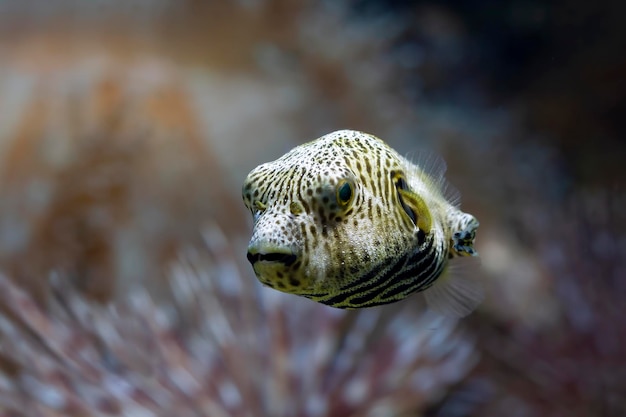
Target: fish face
x=346, y=221
x=327, y=213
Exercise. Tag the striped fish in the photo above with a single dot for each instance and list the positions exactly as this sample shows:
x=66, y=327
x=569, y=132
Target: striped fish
x=346, y=221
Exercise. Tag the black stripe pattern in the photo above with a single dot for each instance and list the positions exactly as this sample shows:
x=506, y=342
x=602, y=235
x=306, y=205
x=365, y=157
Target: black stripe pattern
x=393, y=280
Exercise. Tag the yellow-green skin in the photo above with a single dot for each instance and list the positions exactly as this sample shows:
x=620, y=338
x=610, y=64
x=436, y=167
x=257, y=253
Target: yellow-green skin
x=346, y=221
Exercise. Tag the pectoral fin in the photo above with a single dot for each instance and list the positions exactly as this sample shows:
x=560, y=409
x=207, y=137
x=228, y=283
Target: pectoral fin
x=458, y=291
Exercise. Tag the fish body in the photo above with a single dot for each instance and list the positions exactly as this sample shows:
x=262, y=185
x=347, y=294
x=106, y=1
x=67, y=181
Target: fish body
x=346, y=221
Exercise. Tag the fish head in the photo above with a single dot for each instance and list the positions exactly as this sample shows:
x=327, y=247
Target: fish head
x=328, y=212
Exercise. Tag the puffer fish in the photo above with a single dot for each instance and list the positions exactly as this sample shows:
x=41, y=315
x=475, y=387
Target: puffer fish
x=348, y=222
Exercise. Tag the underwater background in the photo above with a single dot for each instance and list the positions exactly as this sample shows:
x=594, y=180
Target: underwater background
x=127, y=128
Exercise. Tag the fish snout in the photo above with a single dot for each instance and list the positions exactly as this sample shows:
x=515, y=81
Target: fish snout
x=277, y=266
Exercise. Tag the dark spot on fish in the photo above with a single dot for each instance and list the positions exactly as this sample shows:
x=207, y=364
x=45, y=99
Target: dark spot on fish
x=294, y=282
x=322, y=216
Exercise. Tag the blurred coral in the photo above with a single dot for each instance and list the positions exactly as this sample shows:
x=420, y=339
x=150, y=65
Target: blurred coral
x=221, y=347
x=94, y=173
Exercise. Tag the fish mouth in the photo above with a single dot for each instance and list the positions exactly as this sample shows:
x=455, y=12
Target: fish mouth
x=286, y=258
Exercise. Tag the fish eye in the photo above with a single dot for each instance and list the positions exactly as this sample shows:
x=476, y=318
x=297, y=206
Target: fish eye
x=345, y=192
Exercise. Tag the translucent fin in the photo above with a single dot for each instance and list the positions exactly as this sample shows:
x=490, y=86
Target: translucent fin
x=458, y=291
x=431, y=164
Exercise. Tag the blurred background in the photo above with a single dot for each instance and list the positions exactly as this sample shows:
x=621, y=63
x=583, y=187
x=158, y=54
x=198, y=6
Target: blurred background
x=127, y=128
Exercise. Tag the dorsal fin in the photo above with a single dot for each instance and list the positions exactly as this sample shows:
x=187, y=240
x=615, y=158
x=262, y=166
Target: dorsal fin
x=430, y=163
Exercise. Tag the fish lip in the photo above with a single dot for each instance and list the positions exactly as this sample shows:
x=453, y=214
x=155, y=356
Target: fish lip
x=287, y=259
x=271, y=254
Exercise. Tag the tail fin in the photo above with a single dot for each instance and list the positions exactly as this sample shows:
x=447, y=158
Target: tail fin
x=463, y=228
x=458, y=290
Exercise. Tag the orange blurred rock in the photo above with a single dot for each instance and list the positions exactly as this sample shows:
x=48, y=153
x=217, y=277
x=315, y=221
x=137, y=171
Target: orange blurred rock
x=108, y=176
